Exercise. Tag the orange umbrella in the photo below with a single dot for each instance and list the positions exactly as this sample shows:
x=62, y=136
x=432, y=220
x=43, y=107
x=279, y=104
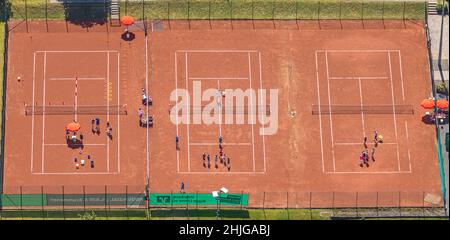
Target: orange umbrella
x=427, y=103
x=73, y=126
x=442, y=104
x=127, y=20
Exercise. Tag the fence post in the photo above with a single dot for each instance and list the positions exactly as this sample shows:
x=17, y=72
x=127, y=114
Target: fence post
x=310, y=206
x=399, y=203
x=42, y=201
x=287, y=204
x=64, y=213
x=377, y=204
x=84, y=199
x=126, y=201
x=332, y=204
x=26, y=15
x=357, y=213
x=21, y=203
x=106, y=199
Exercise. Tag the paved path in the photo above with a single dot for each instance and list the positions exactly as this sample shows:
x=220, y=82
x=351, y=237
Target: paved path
x=434, y=22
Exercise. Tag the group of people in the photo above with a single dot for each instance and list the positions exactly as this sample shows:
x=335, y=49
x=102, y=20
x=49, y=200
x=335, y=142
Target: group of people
x=223, y=158
x=146, y=101
x=82, y=162
x=364, y=155
x=95, y=127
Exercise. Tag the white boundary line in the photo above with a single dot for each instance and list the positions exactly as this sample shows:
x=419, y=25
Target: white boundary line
x=361, y=104
x=264, y=116
x=118, y=115
x=225, y=144
x=407, y=144
x=189, y=114
x=359, y=172
x=65, y=144
x=32, y=119
x=251, y=109
x=43, y=115
x=221, y=78
x=356, y=50
x=81, y=51
x=354, y=78
x=75, y=78
x=401, y=73
x=320, y=117
x=226, y=173
x=77, y=173
x=369, y=143
x=217, y=51
x=329, y=106
x=393, y=108
x=176, y=109
x=107, y=110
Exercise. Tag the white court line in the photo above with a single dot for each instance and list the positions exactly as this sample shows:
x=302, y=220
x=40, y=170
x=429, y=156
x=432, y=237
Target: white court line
x=189, y=113
x=78, y=173
x=393, y=108
x=147, y=146
x=225, y=144
x=217, y=51
x=81, y=51
x=221, y=78
x=219, y=95
x=251, y=109
x=329, y=106
x=407, y=144
x=118, y=115
x=264, y=115
x=32, y=119
x=355, y=50
x=76, y=100
x=74, y=78
x=361, y=104
x=361, y=143
x=320, y=117
x=401, y=73
x=43, y=115
x=212, y=173
x=107, y=110
x=176, y=108
x=387, y=172
x=355, y=78
x=84, y=144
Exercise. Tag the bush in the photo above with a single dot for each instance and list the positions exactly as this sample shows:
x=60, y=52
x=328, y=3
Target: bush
x=442, y=5
x=441, y=88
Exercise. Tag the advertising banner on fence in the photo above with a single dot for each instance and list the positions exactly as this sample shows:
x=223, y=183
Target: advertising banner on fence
x=197, y=199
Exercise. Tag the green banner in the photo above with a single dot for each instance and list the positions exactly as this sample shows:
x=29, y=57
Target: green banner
x=197, y=199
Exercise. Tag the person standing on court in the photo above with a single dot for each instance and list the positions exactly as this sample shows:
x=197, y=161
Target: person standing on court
x=177, y=143
x=182, y=187
x=93, y=126
x=140, y=113
x=97, y=125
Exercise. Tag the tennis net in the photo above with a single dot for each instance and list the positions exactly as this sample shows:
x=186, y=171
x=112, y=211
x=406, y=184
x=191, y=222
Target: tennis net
x=72, y=110
x=366, y=109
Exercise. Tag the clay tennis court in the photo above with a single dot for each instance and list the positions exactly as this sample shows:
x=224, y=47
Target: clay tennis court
x=315, y=148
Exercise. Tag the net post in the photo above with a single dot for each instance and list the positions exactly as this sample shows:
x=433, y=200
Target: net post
x=209, y=13
x=318, y=14
x=168, y=14
x=340, y=13
x=253, y=17
x=362, y=13
x=296, y=15
x=404, y=9
x=188, y=13
x=46, y=14
x=382, y=15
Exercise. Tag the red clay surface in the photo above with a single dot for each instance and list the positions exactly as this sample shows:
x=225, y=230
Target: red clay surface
x=309, y=153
